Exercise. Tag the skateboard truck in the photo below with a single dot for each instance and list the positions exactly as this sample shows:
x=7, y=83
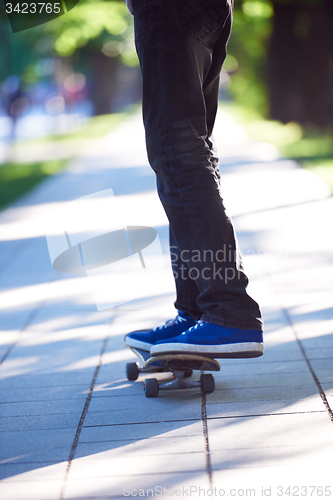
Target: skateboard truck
x=179, y=365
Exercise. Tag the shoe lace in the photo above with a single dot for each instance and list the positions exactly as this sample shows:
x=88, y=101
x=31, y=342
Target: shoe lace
x=170, y=322
x=196, y=326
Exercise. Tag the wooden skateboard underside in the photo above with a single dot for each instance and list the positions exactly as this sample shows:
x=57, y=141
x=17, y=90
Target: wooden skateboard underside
x=183, y=362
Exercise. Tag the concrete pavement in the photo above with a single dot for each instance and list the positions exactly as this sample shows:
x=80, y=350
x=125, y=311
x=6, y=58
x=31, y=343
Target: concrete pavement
x=73, y=427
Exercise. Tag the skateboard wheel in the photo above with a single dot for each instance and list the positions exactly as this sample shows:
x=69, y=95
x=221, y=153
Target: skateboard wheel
x=188, y=373
x=207, y=383
x=151, y=388
x=132, y=371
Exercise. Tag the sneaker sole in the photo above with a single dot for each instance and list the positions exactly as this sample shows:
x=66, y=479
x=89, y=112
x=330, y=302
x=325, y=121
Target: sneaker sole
x=240, y=350
x=137, y=344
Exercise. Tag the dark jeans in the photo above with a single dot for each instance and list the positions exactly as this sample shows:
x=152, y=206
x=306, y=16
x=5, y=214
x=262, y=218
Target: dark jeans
x=181, y=46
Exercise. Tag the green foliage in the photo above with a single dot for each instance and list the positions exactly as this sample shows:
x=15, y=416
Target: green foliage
x=89, y=20
x=248, y=47
x=92, y=23
x=17, y=179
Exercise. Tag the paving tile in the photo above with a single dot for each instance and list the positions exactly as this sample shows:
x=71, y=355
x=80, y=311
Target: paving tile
x=22, y=472
x=144, y=430
x=113, y=463
x=17, y=319
x=261, y=366
x=319, y=352
x=289, y=352
x=143, y=447
x=33, y=445
x=226, y=381
x=271, y=431
x=121, y=387
x=8, y=338
x=165, y=407
x=148, y=483
x=40, y=422
x=266, y=420
x=304, y=476
x=323, y=368
x=277, y=455
x=46, y=380
x=44, y=393
x=40, y=489
x=156, y=406
x=226, y=393
x=49, y=358
x=244, y=408
x=38, y=408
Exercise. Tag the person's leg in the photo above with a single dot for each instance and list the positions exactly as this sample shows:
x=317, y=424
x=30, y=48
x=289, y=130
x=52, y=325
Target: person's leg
x=181, y=51
x=187, y=291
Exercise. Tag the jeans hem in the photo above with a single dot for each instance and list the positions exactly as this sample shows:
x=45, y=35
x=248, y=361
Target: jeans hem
x=195, y=315
x=231, y=324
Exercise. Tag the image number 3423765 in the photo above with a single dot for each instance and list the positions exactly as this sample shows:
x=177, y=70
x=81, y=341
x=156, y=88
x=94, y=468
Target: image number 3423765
x=27, y=14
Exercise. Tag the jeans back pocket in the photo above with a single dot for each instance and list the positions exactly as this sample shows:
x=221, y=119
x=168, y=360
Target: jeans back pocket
x=201, y=18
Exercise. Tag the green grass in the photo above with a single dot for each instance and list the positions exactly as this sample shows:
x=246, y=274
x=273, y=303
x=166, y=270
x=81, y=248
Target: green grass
x=17, y=179
x=311, y=148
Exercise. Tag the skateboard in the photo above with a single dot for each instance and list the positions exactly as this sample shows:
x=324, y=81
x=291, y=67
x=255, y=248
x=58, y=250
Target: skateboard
x=180, y=365
x=133, y=370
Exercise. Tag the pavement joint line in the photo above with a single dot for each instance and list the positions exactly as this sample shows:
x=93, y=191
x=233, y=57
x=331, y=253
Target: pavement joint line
x=266, y=414
x=83, y=415
x=26, y=324
x=9, y=259
x=308, y=362
x=162, y=421
x=268, y=362
x=29, y=463
x=275, y=400
x=133, y=440
x=205, y=434
x=302, y=349
x=259, y=387
x=39, y=414
x=147, y=474
x=39, y=401
x=38, y=430
x=39, y=386
x=144, y=423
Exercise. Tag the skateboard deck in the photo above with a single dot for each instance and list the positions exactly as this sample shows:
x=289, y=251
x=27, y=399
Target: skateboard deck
x=142, y=355
x=133, y=370
x=183, y=362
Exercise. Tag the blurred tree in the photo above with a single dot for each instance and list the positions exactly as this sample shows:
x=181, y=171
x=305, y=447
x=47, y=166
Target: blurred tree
x=300, y=62
x=96, y=36
x=247, y=54
x=281, y=54
x=99, y=34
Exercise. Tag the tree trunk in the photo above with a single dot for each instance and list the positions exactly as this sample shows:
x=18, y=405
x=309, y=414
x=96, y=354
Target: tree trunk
x=299, y=64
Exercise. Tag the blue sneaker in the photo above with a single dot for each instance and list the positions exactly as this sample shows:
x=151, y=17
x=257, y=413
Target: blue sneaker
x=214, y=341
x=145, y=339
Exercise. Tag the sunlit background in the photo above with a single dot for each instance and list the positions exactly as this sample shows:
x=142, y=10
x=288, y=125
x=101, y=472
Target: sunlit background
x=66, y=86
x=77, y=76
